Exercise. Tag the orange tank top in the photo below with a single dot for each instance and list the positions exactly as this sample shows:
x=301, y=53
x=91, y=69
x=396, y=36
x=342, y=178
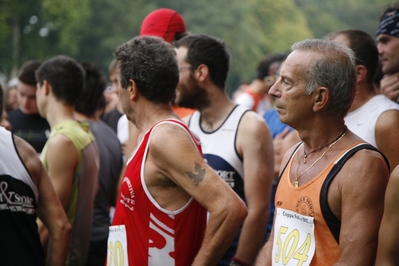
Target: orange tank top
x=305, y=200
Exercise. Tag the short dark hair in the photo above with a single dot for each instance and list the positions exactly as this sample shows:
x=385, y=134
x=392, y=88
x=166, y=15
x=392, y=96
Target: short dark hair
x=210, y=51
x=264, y=64
x=365, y=49
x=65, y=75
x=95, y=84
x=27, y=71
x=151, y=62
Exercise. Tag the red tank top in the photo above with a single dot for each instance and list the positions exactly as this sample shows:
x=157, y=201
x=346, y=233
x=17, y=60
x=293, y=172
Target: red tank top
x=156, y=236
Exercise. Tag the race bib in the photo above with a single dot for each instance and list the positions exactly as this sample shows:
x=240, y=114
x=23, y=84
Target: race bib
x=294, y=241
x=117, y=246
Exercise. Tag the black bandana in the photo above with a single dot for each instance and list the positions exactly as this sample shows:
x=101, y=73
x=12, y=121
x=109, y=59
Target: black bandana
x=389, y=24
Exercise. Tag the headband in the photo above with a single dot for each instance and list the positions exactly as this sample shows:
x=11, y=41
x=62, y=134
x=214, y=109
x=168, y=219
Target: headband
x=389, y=24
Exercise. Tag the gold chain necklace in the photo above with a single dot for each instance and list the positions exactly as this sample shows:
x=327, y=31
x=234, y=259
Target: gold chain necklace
x=296, y=179
x=305, y=157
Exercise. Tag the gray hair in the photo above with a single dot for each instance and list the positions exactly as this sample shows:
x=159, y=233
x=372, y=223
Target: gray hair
x=335, y=69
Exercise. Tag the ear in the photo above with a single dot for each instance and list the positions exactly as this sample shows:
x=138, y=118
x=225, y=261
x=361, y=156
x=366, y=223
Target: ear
x=47, y=87
x=132, y=90
x=361, y=73
x=321, y=97
x=201, y=73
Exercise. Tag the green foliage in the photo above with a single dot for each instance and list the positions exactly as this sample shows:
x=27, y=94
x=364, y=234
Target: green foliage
x=90, y=30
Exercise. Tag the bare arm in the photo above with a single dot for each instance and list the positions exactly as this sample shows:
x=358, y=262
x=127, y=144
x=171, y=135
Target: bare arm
x=265, y=255
x=388, y=242
x=175, y=155
x=254, y=144
x=62, y=159
x=356, y=197
x=389, y=86
x=387, y=136
x=49, y=209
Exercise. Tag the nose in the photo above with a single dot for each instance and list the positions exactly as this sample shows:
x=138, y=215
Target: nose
x=380, y=49
x=274, y=90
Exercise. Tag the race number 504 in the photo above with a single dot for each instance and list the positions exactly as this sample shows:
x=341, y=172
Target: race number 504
x=287, y=247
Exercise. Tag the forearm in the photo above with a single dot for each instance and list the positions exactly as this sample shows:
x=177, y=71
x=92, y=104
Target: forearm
x=221, y=230
x=59, y=246
x=252, y=235
x=43, y=233
x=265, y=255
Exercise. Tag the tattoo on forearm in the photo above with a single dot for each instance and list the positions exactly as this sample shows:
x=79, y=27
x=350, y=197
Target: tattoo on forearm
x=198, y=175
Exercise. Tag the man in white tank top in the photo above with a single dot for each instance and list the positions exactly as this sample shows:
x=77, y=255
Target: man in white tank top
x=236, y=141
x=372, y=117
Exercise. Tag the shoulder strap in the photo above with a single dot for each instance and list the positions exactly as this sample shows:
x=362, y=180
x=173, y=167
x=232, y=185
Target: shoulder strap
x=292, y=154
x=333, y=223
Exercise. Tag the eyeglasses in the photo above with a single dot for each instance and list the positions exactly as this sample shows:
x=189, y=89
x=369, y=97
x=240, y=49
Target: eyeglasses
x=187, y=67
x=270, y=79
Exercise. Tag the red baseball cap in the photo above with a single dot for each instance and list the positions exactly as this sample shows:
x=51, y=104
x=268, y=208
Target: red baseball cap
x=164, y=23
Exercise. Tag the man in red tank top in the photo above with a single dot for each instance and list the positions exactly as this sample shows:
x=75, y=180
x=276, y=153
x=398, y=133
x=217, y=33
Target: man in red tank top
x=168, y=188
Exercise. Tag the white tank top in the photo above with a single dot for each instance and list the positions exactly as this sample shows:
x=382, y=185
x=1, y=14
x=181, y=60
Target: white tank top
x=11, y=163
x=219, y=148
x=362, y=121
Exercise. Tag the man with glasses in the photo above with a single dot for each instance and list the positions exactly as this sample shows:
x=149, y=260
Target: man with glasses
x=236, y=141
x=255, y=95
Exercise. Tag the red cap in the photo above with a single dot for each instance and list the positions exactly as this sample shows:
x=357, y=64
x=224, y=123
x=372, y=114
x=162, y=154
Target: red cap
x=164, y=23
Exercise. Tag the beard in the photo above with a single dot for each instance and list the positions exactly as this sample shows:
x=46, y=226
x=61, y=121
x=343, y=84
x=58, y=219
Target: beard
x=191, y=95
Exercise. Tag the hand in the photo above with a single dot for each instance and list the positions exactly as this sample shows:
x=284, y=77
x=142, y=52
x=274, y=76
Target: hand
x=389, y=86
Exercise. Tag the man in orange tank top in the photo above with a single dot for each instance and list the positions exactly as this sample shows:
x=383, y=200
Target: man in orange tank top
x=330, y=196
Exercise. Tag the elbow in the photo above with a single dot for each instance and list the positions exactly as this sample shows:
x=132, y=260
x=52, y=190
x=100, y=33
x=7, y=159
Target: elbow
x=65, y=230
x=241, y=211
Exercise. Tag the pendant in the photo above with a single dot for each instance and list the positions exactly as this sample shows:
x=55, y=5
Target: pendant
x=296, y=183
x=305, y=159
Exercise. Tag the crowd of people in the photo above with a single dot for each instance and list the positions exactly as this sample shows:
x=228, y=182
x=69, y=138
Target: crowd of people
x=162, y=167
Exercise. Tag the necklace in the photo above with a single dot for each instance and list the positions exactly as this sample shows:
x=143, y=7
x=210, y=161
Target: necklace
x=296, y=179
x=305, y=157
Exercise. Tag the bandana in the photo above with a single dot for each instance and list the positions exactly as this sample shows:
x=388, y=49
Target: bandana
x=389, y=24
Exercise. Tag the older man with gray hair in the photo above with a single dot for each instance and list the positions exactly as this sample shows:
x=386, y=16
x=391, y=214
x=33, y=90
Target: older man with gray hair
x=332, y=180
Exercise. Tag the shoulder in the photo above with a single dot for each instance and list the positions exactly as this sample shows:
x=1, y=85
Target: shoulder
x=168, y=131
x=29, y=157
x=244, y=98
x=15, y=114
x=252, y=123
x=369, y=166
x=388, y=118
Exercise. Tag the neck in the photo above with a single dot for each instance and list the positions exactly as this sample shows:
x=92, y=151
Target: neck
x=363, y=94
x=213, y=115
x=82, y=117
x=58, y=112
x=149, y=114
x=320, y=133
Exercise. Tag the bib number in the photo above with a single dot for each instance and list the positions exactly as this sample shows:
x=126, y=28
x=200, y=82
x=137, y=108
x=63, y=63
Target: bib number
x=117, y=246
x=294, y=241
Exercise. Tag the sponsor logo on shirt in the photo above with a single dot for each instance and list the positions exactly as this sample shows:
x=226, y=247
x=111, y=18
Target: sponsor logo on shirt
x=13, y=201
